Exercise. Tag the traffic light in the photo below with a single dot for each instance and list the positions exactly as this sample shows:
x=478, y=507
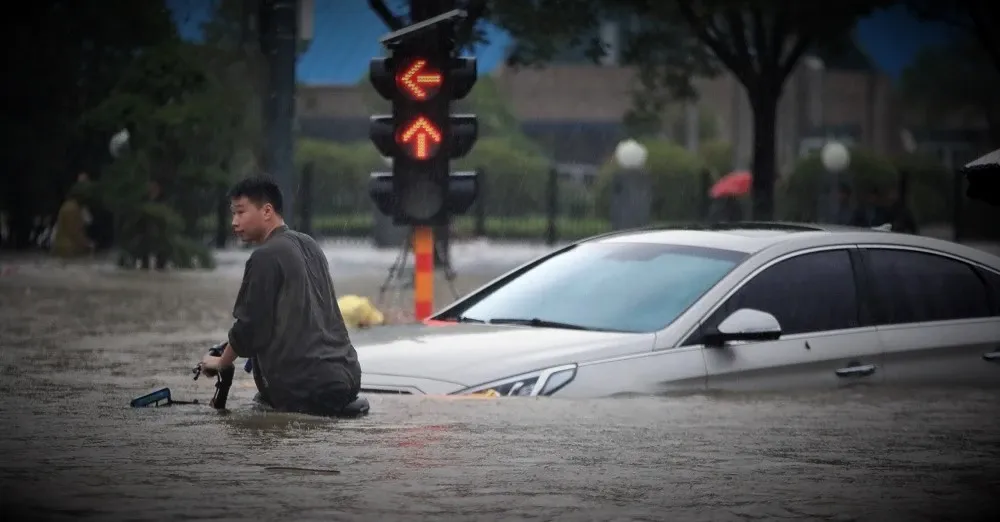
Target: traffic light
x=421, y=78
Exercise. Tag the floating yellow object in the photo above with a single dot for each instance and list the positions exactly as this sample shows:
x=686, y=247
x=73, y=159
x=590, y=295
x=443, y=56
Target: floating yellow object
x=359, y=312
x=486, y=393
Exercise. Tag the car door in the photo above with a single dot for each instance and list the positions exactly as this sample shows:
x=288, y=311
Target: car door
x=825, y=342
x=936, y=316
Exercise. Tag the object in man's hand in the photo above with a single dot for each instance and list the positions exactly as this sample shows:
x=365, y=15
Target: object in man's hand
x=210, y=363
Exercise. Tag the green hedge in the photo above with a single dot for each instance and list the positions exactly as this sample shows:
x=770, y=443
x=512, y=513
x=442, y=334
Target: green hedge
x=514, y=189
x=513, y=182
x=930, y=185
x=521, y=228
x=675, y=180
x=531, y=228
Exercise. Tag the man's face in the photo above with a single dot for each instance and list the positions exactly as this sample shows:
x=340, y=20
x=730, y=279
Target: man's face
x=251, y=222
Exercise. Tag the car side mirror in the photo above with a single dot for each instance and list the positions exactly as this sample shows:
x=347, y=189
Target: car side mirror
x=745, y=324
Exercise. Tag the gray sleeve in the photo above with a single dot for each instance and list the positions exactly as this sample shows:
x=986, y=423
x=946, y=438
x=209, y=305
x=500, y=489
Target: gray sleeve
x=255, y=305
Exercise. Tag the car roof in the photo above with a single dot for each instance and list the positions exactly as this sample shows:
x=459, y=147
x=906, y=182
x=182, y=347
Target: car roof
x=748, y=237
x=753, y=237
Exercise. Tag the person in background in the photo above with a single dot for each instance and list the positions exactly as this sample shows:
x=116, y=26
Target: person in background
x=69, y=234
x=870, y=212
x=899, y=214
x=83, y=189
x=727, y=209
x=845, y=205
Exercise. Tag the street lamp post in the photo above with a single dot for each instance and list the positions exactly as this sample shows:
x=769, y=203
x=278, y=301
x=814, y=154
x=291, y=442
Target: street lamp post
x=118, y=143
x=631, y=191
x=631, y=155
x=836, y=158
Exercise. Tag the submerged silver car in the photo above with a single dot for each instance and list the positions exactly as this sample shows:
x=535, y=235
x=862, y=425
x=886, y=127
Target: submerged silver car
x=763, y=306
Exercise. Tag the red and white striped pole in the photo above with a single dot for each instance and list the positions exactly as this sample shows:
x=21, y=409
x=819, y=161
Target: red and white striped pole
x=423, y=278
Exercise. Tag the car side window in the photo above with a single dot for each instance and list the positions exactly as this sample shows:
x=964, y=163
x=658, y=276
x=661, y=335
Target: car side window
x=812, y=292
x=915, y=287
x=993, y=282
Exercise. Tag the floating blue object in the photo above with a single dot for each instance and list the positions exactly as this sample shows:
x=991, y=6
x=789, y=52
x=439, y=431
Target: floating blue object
x=152, y=399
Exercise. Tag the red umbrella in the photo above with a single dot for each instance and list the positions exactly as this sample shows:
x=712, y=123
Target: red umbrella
x=734, y=184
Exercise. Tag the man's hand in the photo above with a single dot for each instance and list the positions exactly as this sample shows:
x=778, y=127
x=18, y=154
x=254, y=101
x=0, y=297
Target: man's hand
x=210, y=365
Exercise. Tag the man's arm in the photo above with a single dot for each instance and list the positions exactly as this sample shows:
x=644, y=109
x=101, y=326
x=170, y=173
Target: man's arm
x=255, y=306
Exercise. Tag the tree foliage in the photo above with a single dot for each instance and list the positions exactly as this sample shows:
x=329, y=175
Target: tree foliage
x=185, y=126
x=193, y=112
x=66, y=56
x=759, y=42
x=956, y=78
x=181, y=116
x=979, y=19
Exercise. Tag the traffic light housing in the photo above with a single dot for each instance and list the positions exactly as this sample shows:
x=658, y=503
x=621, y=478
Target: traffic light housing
x=421, y=78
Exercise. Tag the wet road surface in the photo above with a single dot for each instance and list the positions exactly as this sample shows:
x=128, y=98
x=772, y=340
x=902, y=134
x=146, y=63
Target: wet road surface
x=79, y=342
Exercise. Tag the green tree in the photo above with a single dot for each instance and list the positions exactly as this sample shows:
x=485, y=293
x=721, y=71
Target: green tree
x=759, y=42
x=184, y=125
x=954, y=78
x=231, y=54
x=978, y=19
x=717, y=156
x=68, y=55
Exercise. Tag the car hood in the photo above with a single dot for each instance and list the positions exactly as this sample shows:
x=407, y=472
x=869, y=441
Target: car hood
x=472, y=354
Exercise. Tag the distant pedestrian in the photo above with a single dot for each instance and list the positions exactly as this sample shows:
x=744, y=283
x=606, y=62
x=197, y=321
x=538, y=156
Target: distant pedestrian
x=899, y=214
x=870, y=211
x=69, y=235
x=845, y=205
x=726, y=209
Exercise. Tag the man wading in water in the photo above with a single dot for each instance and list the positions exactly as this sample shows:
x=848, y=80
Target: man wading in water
x=287, y=319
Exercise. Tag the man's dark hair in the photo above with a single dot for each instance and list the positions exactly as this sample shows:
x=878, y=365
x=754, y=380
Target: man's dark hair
x=260, y=190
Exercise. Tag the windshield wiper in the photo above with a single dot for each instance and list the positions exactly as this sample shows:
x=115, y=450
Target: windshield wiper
x=465, y=319
x=538, y=323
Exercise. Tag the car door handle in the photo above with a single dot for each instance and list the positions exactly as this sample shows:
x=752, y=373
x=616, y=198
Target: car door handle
x=861, y=370
x=993, y=356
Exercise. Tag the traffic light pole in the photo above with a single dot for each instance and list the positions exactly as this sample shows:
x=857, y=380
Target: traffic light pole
x=422, y=77
x=423, y=272
x=423, y=235
x=279, y=34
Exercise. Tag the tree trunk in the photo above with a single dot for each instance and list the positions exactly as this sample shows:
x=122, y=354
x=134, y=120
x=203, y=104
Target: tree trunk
x=765, y=116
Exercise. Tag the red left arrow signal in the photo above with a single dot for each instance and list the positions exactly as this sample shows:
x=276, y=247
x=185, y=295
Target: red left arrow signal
x=418, y=81
x=420, y=138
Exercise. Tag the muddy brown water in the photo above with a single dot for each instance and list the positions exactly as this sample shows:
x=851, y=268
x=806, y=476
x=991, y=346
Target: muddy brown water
x=79, y=342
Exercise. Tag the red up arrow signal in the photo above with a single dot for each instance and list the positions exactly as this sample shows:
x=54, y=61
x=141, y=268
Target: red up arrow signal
x=420, y=138
x=418, y=81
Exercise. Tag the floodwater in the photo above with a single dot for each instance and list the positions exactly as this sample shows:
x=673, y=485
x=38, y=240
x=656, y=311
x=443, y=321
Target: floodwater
x=78, y=343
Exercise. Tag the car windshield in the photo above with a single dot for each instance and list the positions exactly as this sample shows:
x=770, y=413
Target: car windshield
x=629, y=287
